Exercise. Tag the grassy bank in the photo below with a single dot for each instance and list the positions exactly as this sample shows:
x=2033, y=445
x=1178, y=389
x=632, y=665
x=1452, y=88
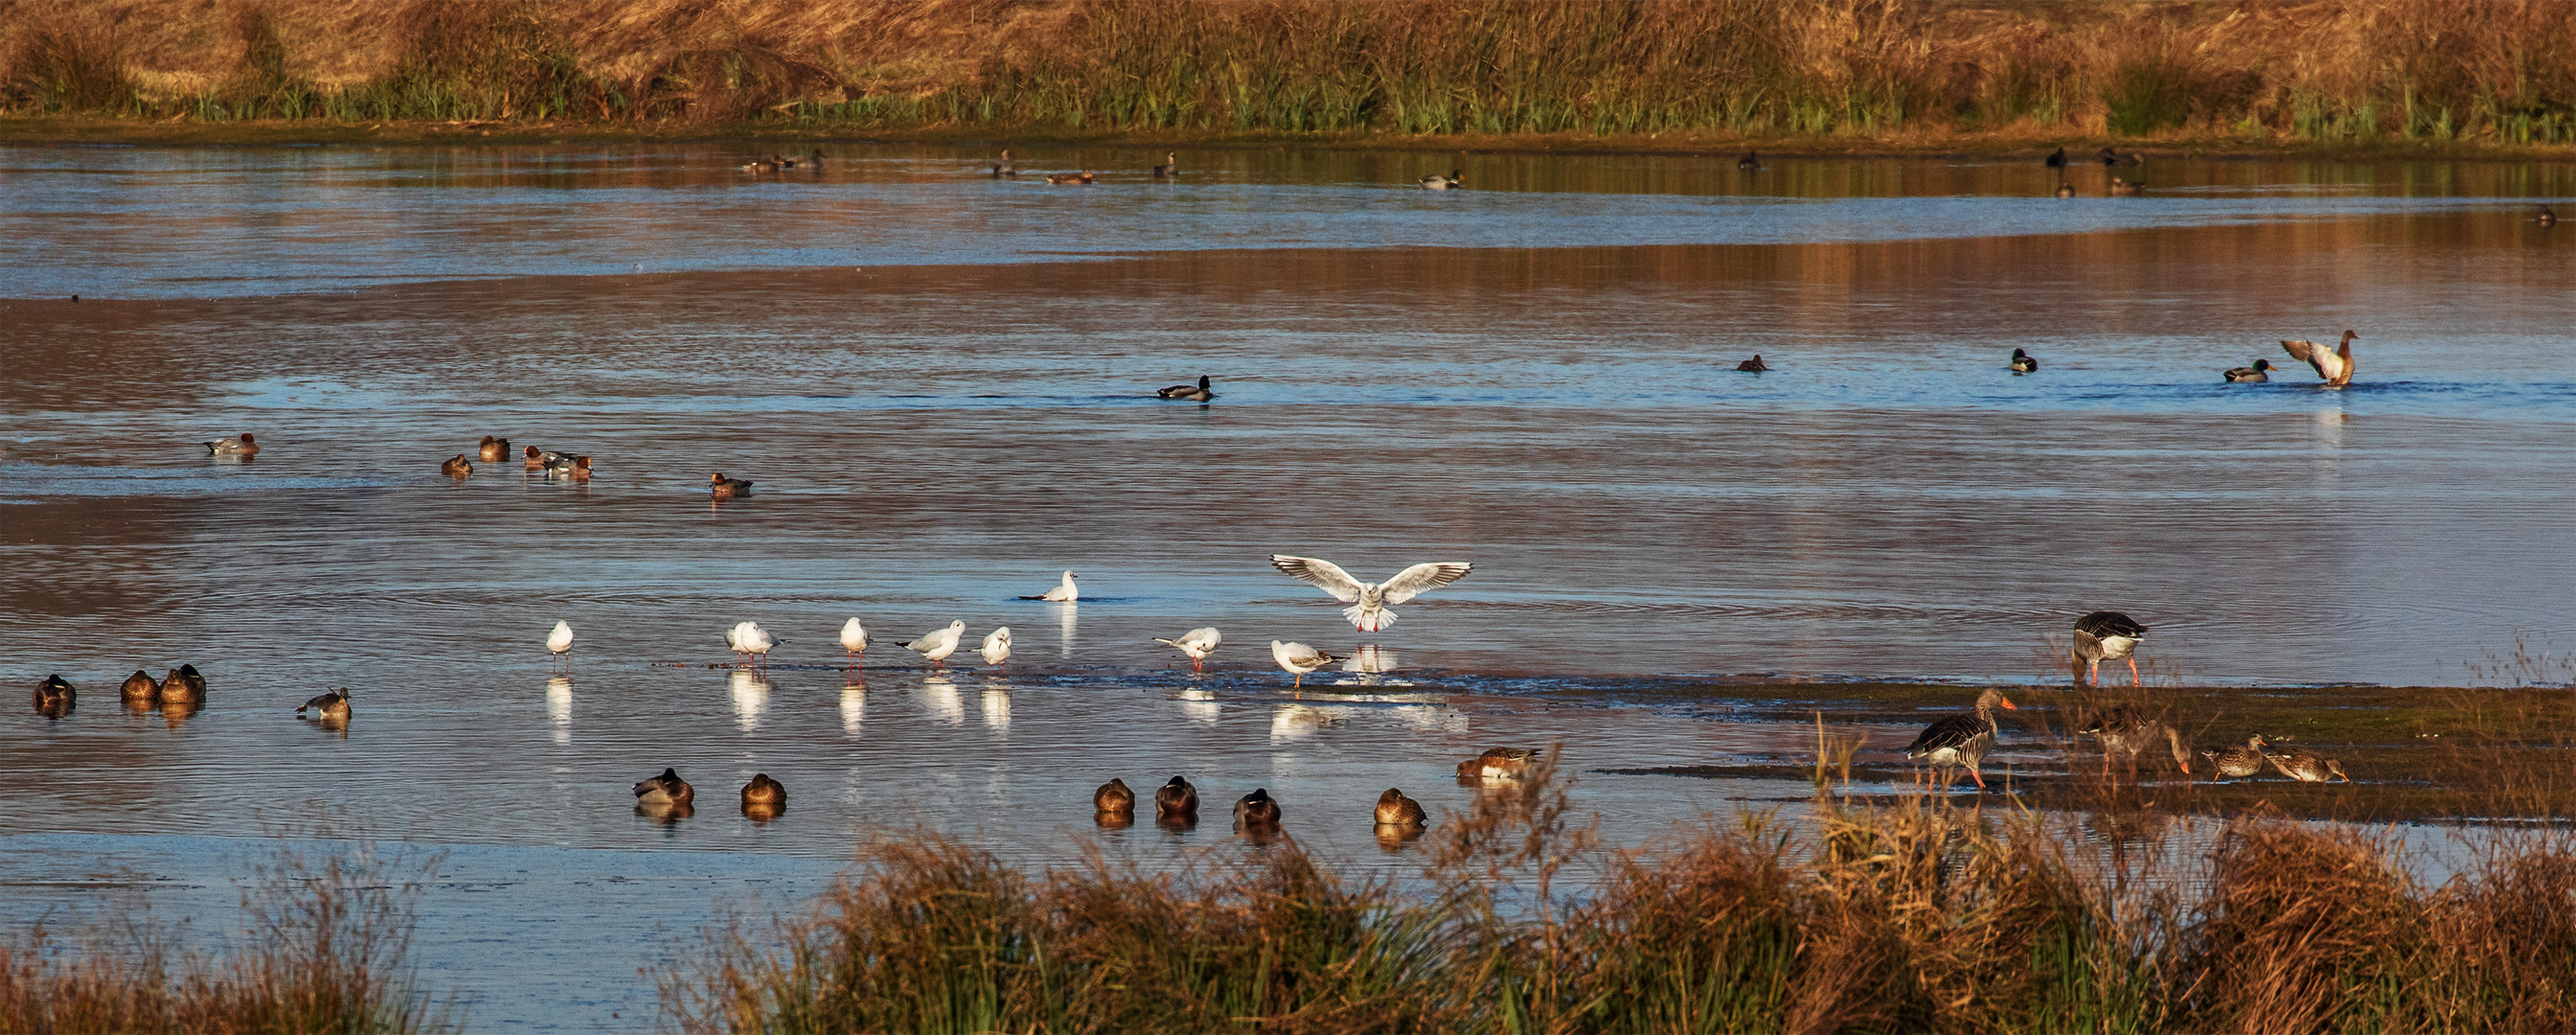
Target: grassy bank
x=1875, y=76
x=1903, y=916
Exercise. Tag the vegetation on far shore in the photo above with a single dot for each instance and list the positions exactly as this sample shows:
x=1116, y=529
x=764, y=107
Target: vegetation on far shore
x=2438, y=77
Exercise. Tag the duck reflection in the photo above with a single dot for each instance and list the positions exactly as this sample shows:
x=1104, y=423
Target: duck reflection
x=559, y=707
x=940, y=693
x=997, y=708
x=854, y=705
x=1394, y=839
x=665, y=813
x=750, y=698
x=178, y=712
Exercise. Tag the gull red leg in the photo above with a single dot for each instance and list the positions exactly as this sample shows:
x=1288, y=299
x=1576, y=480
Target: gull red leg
x=2133, y=670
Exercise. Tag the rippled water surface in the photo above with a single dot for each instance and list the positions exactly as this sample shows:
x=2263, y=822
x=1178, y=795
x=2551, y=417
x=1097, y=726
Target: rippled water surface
x=941, y=384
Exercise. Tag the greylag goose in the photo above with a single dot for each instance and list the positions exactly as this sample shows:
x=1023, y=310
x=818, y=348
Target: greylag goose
x=2106, y=636
x=1961, y=740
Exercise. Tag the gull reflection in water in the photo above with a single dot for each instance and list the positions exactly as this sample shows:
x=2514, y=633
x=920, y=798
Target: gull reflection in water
x=940, y=693
x=750, y=698
x=997, y=708
x=1200, y=706
x=1370, y=662
x=854, y=705
x=1300, y=721
x=1064, y=614
x=1430, y=717
x=559, y=707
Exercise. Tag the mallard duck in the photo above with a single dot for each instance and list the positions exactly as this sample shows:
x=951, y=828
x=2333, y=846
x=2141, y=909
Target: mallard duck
x=560, y=466
x=241, y=445
x=1436, y=181
x=55, y=697
x=728, y=488
x=1064, y=592
x=758, y=166
x=333, y=705
x=2124, y=189
x=761, y=792
x=1171, y=166
x=2250, y=375
x=2239, y=761
x=1961, y=740
x=1005, y=168
x=493, y=449
x=1196, y=643
x=183, y=686
x=2022, y=362
x=456, y=467
x=139, y=687
x=2106, y=636
x=2065, y=189
x=1499, y=763
x=2056, y=159
x=1177, y=799
x=2304, y=766
x=1197, y=393
x=2335, y=366
x=1256, y=811
x=664, y=790
x=1371, y=601
x=1749, y=163
x=559, y=641
x=938, y=644
x=854, y=639
x=1298, y=659
x=997, y=646
x=1113, y=797
x=1071, y=177
x=1396, y=810
x=2125, y=731
x=1754, y=365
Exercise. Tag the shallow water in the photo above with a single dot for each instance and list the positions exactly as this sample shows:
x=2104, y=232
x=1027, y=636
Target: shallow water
x=940, y=384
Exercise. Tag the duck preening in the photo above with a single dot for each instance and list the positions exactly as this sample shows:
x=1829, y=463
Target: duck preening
x=2022, y=363
x=1436, y=181
x=1754, y=365
x=330, y=706
x=1961, y=740
x=1113, y=797
x=1193, y=393
x=2334, y=366
x=1171, y=166
x=2126, y=731
x=728, y=488
x=2106, y=636
x=1256, y=811
x=751, y=644
x=456, y=467
x=665, y=790
x=1396, y=810
x=2255, y=374
x=493, y=449
x=239, y=445
x=997, y=646
x=2239, y=761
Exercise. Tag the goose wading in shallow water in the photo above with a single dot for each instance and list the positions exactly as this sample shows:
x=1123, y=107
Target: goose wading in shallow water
x=1193, y=393
x=1063, y=593
x=937, y=644
x=2334, y=366
x=1436, y=181
x=2106, y=636
x=2022, y=363
x=2256, y=374
x=1197, y=643
x=1961, y=740
x=1299, y=659
x=1370, y=601
x=2239, y=761
x=241, y=445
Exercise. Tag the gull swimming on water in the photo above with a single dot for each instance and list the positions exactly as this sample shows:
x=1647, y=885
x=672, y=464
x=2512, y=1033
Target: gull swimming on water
x=1370, y=600
x=1197, y=643
x=854, y=637
x=1299, y=659
x=560, y=640
x=1062, y=594
x=938, y=643
x=997, y=646
x=749, y=639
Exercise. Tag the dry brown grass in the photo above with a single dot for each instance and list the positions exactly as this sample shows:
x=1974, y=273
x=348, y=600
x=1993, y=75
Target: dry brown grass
x=2326, y=70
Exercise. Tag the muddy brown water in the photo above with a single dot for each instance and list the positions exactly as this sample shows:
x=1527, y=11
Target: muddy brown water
x=941, y=385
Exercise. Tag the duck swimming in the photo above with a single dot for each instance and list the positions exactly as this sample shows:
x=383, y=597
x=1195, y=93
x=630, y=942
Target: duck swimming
x=2335, y=366
x=1256, y=811
x=330, y=706
x=1396, y=810
x=1176, y=799
x=456, y=467
x=2124, y=189
x=1113, y=797
x=55, y=698
x=728, y=488
x=1754, y=365
x=1005, y=168
x=1499, y=763
x=2056, y=159
x=1072, y=177
x=762, y=793
x=139, y=687
x=1200, y=393
x=1749, y=163
x=666, y=789
x=183, y=686
x=1436, y=181
x=2022, y=363
x=2250, y=375
x=2065, y=189
x=1171, y=166
x=242, y=445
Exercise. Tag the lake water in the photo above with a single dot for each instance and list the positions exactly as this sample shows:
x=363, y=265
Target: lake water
x=941, y=384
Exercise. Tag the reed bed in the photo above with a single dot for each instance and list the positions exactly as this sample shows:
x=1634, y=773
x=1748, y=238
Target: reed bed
x=1902, y=916
x=326, y=948
x=2325, y=71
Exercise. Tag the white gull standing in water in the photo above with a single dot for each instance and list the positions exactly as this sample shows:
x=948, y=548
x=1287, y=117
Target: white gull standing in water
x=997, y=646
x=854, y=637
x=560, y=641
x=1062, y=594
x=749, y=640
x=1370, y=600
x=1299, y=659
x=1197, y=643
x=938, y=644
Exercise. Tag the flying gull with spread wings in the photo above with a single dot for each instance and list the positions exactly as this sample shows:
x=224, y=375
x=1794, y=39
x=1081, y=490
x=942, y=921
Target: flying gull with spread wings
x=1370, y=600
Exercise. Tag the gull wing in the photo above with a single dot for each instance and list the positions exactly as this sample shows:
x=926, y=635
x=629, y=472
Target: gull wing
x=1423, y=578
x=1323, y=575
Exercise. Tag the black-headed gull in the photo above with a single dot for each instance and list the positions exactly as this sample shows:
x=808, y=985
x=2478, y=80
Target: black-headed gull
x=1299, y=659
x=1063, y=593
x=938, y=643
x=854, y=637
x=1370, y=600
x=997, y=646
x=560, y=640
x=1197, y=643
x=749, y=639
